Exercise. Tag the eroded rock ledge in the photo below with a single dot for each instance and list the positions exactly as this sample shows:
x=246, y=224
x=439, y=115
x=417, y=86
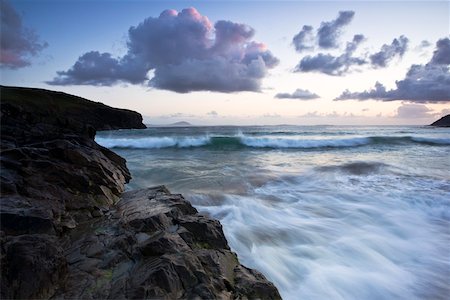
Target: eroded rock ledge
x=69, y=232
x=154, y=244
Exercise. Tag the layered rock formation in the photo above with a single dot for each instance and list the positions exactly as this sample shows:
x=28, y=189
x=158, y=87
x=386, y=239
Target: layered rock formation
x=442, y=122
x=67, y=229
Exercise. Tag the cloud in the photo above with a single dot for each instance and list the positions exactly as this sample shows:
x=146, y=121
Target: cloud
x=178, y=115
x=333, y=114
x=298, y=94
x=398, y=47
x=326, y=36
x=329, y=32
x=333, y=65
x=304, y=40
x=429, y=83
x=100, y=69
x=441, y=56
x=274, y=115
x=413, y=111
x=184, y=51
x=423, y=44
x=17, y=42
x=212, y=113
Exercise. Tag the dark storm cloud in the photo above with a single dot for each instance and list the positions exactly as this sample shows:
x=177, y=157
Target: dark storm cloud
x=329, y=32
x=422, y=83
x=185, y=51
x=95, y=68
x=398, y=47
x=298, y=94
x=304, y=40
x=333, y=65
x=18, y=43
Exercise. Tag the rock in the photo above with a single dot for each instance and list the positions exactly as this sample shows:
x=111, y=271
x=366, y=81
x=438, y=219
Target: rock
x=53, y=173
x=45, y=108
x=68, y=230
x=128, y=258
x=442, y=122
x=32, y=266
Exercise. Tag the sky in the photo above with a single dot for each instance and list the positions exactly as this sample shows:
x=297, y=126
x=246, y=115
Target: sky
x=237, y=62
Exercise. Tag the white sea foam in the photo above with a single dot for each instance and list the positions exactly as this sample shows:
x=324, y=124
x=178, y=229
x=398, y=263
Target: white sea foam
x=356, y=243
x=274, y=141
x=331, y=222
x=441, y=141
x=288, y=142
x=153, y=142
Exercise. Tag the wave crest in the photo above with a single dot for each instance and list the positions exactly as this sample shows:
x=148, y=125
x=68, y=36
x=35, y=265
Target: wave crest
x=153, y=142
x=274, y=142
x=303, y=143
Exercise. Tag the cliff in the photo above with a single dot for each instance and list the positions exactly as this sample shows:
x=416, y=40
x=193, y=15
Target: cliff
x=69, y=231
x=68, y=110
x=442, y=122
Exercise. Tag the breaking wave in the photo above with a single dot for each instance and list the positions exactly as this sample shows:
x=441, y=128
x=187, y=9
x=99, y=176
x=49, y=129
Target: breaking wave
x=274, y=142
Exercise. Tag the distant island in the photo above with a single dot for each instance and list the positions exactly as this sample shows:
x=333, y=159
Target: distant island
x=180, y=124
x=176, y=124
x=442, y=122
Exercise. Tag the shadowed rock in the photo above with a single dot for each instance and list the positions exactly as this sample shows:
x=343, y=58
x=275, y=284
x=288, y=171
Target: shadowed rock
x=68, y=232
x=442, y=122
x=123, y=257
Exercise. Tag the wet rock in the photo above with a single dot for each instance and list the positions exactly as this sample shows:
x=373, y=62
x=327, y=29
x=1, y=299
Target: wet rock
x=252, y=284
x=32, y=266
x=68, y=230
x=157, y=261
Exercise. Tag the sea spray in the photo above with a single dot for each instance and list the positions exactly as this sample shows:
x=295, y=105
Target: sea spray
x=273, y=141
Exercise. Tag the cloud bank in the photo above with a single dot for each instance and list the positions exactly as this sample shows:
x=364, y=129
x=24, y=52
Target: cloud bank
x=17, y=42
x=413, y=111
x=429, y=83
x=298, y=94
x=185, y=51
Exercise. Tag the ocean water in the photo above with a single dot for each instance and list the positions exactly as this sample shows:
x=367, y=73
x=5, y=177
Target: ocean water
x=325, y=212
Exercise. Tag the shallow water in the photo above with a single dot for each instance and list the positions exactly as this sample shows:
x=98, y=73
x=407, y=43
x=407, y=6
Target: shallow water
x=325, y=212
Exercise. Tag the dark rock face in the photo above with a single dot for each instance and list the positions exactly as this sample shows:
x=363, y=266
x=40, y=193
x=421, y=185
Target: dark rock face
x=442, y=122
x=68, y=111
x=53, y=173
x=65, y=234
x=155, y=245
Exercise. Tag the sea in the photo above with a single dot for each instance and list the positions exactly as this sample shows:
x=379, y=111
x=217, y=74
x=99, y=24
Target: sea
x=324, y=212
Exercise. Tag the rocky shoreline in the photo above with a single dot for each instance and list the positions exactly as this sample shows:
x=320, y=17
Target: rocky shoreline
x=68, y=230
x=442, y=122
